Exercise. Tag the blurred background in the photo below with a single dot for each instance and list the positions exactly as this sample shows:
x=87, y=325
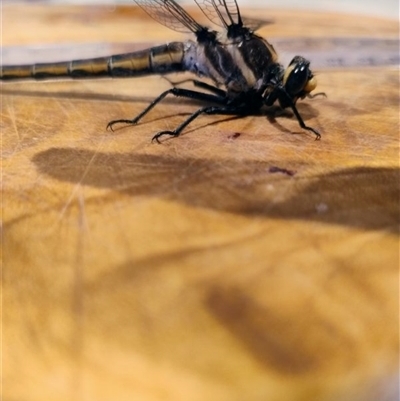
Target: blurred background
x=383, y=8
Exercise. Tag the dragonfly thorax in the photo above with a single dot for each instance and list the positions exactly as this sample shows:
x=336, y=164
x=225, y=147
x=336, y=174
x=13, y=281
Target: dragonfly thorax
x=239, y=64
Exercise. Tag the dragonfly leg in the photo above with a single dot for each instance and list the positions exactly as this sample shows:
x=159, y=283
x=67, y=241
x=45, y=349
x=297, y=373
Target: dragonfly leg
x=283, y=96
x=312, y=96
x=199, y=84
x=178, y=92
x=302, y=124
x=203, y=110
x=211, y=88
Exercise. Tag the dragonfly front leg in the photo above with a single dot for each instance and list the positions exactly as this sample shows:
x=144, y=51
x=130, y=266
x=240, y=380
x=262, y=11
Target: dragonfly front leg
x=178, y=92
x=284, y=99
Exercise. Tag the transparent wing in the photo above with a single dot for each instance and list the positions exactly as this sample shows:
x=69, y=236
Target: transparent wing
x=255, y=24
x=223, y=13
x=226, y=12
x=170, y=14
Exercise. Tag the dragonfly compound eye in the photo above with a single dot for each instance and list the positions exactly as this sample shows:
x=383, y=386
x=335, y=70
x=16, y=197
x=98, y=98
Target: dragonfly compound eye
x=298, y=79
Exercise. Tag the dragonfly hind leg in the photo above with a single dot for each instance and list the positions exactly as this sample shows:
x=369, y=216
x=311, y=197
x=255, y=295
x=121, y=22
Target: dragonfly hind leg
x=211, y=88
x=199, y=84
x=286, y=101
x=178, y=92
x=223, y=110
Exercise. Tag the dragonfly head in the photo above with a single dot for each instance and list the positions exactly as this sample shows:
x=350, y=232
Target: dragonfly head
x=298, y=80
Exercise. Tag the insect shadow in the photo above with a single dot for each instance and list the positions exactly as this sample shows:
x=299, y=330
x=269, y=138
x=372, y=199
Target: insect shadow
x=249, y=188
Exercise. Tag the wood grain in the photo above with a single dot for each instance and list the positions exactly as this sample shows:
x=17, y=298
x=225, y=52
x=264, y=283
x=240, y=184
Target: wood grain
x=241, y=261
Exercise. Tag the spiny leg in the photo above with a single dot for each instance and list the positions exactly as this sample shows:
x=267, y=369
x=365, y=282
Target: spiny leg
x=210, y=88
x=203, y=110
x=302, y=124
x=312, y=96
x=173, y=91
x=289, y=101
x=199, y=84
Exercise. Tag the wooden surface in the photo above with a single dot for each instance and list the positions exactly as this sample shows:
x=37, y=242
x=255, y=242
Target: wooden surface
x=216, y=266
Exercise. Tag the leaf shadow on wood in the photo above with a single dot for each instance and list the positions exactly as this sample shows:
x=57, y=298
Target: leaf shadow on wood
x=363, y=197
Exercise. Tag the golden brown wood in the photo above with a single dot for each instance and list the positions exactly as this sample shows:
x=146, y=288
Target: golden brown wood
x=193, y=270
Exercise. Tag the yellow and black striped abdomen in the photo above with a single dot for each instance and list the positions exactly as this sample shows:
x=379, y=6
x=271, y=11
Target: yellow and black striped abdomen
x=157, y=60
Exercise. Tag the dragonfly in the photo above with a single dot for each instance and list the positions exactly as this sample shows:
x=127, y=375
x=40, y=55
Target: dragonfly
x=242, y=66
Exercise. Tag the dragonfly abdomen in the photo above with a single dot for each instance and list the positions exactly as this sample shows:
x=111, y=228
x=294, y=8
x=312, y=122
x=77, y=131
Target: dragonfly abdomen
x=157, y=60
